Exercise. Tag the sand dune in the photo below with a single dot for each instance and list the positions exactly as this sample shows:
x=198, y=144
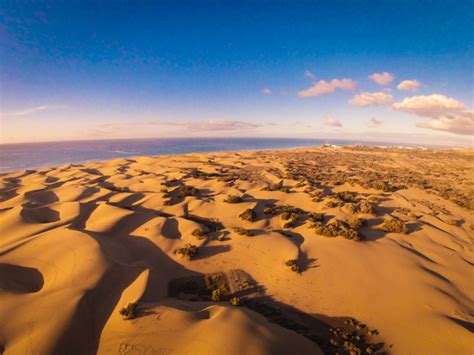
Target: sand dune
x=294, y=254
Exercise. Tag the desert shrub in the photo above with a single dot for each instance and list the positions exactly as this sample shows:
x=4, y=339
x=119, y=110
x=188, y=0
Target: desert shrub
x=372, y=198
x=243, y=231
x=337, y=228
x=273, y=187
x=332, y=203
x=129, y=312
x=347, y=196
x=290, y=218
x=392, y=225
x=233, y=199
x=185, y=190
x=189, y=251
x=222, y=237
x=365, y=208
x=199, y=233
x=164, y=190
x=350, y=208
x=248, y=215
x=316, y=217
x=170, y=182
x=216, y=295
x=354, y=223
x=285, y=216
x=276, y=187
x=236, y=301
x=300, y=184
x=293, y=265
x=269, y=210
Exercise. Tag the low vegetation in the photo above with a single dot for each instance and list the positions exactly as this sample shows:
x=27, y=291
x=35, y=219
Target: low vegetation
x=293, y=265
x=233, y=199
x=236, y=301
x=248, y=215
x=392, y=225
x=129, y=312
x=316, y=217
x=243, y=231
x=199, y=233
x=290, y=219
x=337, y=228
x=277, y=187
x=189, y=251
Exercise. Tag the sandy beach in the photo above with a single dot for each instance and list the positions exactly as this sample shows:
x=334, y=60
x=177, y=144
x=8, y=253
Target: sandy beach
x=301, y=251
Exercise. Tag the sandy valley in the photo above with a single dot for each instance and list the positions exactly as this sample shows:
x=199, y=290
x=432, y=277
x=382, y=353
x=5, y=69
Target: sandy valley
x=303, y=251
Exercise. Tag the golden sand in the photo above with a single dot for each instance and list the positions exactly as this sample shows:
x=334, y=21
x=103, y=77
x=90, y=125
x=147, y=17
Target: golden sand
x=394, y=273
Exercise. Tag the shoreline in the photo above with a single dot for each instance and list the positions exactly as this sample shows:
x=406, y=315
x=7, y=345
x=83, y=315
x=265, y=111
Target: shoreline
x=365, y=145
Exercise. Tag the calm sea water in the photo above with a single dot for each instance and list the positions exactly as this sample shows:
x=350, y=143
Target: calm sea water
x=15, y=157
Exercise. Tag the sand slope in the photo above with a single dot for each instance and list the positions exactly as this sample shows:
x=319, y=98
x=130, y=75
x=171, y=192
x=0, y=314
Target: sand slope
x=81, y=242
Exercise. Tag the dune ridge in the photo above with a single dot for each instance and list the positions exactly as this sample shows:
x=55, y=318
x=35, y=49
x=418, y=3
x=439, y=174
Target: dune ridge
x=321, y=250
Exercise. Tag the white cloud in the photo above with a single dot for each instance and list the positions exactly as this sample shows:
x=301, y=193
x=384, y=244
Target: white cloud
x=371, y=99
x=462, y=123
x=330, y=120
x=373, y=123
x=447, y=114
x=266, y=91
x=323, y=87
x=383, y=79
x=309, y=74
x=30, y=111
x=408, y=85
x=429, y=105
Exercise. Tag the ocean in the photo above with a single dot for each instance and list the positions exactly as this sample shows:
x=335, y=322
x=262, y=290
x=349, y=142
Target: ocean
x=14, y=157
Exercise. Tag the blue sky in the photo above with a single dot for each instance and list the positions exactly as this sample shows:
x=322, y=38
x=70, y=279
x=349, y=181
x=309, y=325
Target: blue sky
x=110, y=69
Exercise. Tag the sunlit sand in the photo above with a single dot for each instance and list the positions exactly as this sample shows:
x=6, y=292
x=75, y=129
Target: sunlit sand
x=275, y=252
